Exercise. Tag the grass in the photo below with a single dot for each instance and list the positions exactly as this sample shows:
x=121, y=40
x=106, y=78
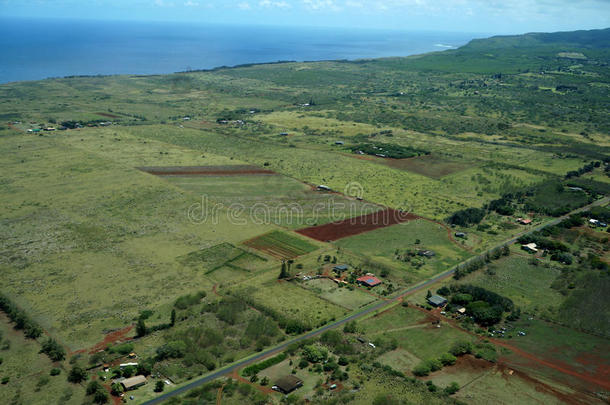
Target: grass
x=292, y=301
x=382, y=245
x=29, y=373
x=529, y=286
x=344, y=297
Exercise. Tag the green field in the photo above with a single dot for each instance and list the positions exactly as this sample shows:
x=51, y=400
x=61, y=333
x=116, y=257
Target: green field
x=386, y=244
x=281, y=244
x=529, y=286
x=97, y=251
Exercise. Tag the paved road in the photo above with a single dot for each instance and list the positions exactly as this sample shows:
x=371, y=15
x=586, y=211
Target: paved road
x=364, y=312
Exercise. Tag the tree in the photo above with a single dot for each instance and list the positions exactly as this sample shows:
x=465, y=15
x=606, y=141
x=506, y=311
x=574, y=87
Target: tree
x=77, y=375
x=141, y=327
x=172, y=321
x=117, y=389
x=284, y=271
x=159, y=386
x=54, y=350
x=428, y=294
x=100, y=396
x=93, y=386
x=452, y=388
x=265, y=381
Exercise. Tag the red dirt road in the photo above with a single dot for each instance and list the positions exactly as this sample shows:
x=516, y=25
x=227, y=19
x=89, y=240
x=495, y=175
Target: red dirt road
x=109, y=339
x=355, y=226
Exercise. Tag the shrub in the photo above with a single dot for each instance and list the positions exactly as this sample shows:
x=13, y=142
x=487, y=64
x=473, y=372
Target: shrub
x=55, y=371
x=54, y=350
x=77, y=375
x=452, y=388
x=159, y=386
x=447, y=359
x=461, y=348
x=256, y=368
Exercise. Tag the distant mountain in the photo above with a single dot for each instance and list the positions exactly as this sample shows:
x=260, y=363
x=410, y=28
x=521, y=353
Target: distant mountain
x=574, y=39
x=519, y=53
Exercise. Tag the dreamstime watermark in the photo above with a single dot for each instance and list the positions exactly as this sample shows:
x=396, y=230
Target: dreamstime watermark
x=349, y=207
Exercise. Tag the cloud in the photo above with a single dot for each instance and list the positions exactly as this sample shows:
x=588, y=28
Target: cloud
x=190, y=3
x=244, y=6
x=274, y=4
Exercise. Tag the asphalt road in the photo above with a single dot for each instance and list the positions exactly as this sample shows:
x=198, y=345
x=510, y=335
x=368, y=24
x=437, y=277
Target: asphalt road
x=364, y=312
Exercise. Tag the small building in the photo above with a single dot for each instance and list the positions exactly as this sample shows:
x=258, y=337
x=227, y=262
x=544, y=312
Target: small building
x=284, y=134
x=361, y=340
x=524, y=221
x=530, y=247
x=460, y=235
x=123, y=365
x=461, y=310
x=322, y=187
x=369, y=281
x=594, y=222
x=341, y=267
x=437, y=301
x=339, y=143
x=287, y=384
x=133, y=382
x=426, y=253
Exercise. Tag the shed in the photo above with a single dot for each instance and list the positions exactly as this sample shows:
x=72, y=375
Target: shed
x=133, y=382
x=460, y=235
x=530, y=247
x=369, y=281
x=426, y=253
x=288, y=384
x=341, y=267
x=524, y=221
x=322, y=187
x=437, y=301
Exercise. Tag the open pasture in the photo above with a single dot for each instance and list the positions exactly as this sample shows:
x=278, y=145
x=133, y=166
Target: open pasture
x=432, y=165
x=395, y=244
x=342, y=296
x=528, y=285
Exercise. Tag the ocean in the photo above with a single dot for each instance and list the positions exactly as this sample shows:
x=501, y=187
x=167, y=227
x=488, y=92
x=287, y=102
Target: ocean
x=39, y=49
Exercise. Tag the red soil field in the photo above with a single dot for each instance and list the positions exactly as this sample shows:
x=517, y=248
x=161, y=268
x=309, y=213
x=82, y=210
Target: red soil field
x=354, y=226
x=205, y=170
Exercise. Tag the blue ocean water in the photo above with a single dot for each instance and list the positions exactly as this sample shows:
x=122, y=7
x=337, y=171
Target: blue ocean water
x=38, y=49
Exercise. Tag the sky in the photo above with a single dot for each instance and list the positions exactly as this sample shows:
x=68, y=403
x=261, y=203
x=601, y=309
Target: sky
x=490, y=16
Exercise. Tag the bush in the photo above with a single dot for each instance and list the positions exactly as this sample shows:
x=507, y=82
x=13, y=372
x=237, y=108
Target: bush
x=54, y=350
x=256, y=368
x=461, y=348
x=452, y=388
x=447, y=359
x=55, y=371
x=77, y=375
x=172, y=350
x=315, y=354
x=159, y=386
x=189, y=300
x=93, y=386
x=123, y=349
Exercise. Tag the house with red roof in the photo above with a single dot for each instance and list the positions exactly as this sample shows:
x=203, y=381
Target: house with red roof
x=368, y=281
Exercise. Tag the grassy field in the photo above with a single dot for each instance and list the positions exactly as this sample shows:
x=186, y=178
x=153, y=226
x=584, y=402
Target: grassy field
x=529, y=286
x=386, y=244
x=344, y=297
x=89, y=244
x=28, y=372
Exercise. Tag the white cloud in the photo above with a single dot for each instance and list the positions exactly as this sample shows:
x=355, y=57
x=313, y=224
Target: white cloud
x=190, y=3
x=244, y=6
x=274, y=4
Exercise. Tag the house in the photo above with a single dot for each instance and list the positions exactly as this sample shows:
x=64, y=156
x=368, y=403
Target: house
x=322, y=187
x=341, y=267
x=369, y=281
x=594, y=222
x=437, y=301
x=460, y=235
x=524, y=221
x=530, y=247
x=133, y=382
x=426, y=253
x=123, y=365
x=287, y=384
